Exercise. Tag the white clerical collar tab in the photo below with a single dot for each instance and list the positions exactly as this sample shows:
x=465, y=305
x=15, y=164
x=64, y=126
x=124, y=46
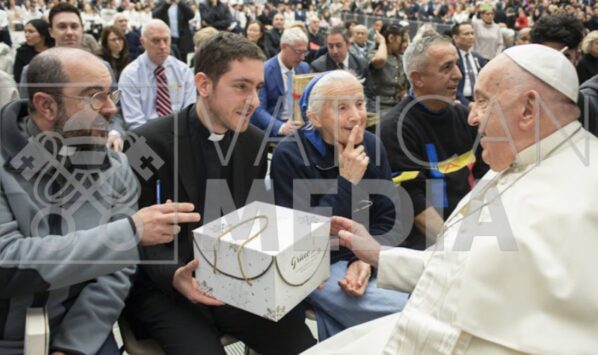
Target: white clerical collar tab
x=215, y=137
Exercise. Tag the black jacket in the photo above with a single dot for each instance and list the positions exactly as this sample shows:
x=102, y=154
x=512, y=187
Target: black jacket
x=161, y=137
x=588, y=104
x=218, y=16
x=185, y=14
x=24, y=55
x=272, y=42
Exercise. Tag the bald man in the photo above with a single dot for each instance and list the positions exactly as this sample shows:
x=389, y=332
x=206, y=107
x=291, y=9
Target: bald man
x=529, y=285
x=69, y=232
x=155, y=84
x=66, y=28
x=360, y=46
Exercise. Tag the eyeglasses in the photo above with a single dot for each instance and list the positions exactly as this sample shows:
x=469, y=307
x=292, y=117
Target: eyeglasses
x=298, y=52
x=97, y=100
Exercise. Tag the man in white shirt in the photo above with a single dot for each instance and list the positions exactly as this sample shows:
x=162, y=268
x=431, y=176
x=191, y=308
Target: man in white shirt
x=155, y=84
x=514, y=268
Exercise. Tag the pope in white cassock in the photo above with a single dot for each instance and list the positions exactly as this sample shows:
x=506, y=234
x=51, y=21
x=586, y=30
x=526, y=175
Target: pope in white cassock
x=514, y=270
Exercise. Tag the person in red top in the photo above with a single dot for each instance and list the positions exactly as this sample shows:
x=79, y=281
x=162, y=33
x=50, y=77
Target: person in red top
x=522, y=20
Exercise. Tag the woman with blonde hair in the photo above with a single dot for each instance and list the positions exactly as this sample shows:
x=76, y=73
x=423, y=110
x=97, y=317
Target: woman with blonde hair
x=588, y=65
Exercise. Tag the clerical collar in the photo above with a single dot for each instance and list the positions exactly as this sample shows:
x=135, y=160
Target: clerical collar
x=204, y=131
x=215, y=137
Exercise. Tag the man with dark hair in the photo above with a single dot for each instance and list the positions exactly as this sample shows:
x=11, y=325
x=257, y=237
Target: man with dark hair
x=165, y=303
x=564, y=33
x=68, y=226
x=272, y=37
x=559, y=31
x=339, y=57
x=470, y=62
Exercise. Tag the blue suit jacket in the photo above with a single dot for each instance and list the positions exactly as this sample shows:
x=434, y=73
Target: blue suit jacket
x=272, y=96
x=480, y=62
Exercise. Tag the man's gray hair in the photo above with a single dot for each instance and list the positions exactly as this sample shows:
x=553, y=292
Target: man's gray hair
x=153, y=23
x=293, y=35
x=320, y=92
x=416, y=54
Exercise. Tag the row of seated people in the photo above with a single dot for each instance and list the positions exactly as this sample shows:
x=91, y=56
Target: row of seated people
x=164, y=300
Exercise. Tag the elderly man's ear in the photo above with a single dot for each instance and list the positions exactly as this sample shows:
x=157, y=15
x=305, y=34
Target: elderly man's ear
x=46, y=108
x=531, y=110
x=416, y=79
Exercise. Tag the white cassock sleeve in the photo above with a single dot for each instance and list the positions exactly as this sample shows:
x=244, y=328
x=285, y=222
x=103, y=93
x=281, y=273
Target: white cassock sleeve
x=400, y=268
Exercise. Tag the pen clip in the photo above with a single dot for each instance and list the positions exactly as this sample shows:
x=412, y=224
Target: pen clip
x=363, y=205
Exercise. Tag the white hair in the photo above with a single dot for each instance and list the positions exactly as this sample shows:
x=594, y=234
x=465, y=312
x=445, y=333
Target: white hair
x=321, y=89
x=293, y=35
x=154, y=24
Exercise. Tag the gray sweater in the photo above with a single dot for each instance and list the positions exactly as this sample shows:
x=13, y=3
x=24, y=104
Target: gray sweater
x=79, y=265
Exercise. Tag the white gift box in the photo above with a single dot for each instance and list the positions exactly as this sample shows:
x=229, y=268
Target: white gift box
x=262, y=258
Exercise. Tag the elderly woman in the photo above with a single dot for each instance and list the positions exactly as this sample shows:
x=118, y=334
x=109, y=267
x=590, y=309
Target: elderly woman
x=347, y=162
x=588, y=65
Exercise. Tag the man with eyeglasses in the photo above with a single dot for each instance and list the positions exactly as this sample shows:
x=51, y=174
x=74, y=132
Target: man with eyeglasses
x=69, y=226
x=275, y=113
x=156, y=84
x=339, y=57
x=66, y=28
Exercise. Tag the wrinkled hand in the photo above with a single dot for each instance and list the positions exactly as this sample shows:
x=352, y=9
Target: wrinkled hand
x=353, y=162
x=115, y=141
x=356, y=279
x=354, y=236
x=158, y=224
x=184, y=282
x=289, y=127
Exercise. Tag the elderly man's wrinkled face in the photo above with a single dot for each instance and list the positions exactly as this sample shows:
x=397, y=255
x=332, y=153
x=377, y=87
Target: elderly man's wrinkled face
x=156, y=41
x=293, y=54
x=344, y=108
x=495, y=113
x=360, y=35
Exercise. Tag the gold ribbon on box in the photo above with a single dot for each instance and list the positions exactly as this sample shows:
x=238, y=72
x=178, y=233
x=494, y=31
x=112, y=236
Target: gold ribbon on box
x=242, y=247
